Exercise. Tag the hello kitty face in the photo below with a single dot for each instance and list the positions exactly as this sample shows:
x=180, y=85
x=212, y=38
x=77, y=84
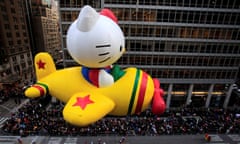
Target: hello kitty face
x=95, y=40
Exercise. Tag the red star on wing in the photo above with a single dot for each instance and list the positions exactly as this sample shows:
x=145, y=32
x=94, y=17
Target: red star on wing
x=41, y=64
x=83, y=101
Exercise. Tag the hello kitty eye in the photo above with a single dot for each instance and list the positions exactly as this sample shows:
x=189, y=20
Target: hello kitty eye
x=120, y=48
x=102, y=46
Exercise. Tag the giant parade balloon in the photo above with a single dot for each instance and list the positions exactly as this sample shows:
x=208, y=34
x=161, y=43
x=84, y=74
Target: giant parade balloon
x=97, y=87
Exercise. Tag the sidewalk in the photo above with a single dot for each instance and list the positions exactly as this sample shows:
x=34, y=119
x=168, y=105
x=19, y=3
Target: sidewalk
x=9, y=107
x=19, y=106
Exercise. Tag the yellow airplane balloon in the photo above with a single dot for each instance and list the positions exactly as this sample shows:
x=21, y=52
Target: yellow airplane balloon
x=132, y=93
x=96, y=88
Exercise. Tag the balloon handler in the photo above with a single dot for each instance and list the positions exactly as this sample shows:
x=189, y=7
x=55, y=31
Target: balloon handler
x=97, y=87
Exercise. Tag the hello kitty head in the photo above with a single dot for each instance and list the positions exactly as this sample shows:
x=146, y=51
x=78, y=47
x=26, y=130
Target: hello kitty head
x=94, y=39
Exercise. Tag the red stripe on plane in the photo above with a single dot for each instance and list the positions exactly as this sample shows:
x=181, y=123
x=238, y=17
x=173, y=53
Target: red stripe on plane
x=41, y=89
x=141, y=92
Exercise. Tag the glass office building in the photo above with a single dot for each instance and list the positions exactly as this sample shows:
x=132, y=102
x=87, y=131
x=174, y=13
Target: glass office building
x=191, y=46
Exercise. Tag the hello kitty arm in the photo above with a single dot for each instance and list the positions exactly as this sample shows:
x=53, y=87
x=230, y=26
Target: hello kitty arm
x=105, y=79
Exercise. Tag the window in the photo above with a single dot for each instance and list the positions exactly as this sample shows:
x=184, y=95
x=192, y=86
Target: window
x=23, y=27
x=19, y=42
x=15, y=19
x=16, y=27
x=17, y=34
x=9, y=34
x=5, y=17
x=23, y=65
x=10, y=43
x=12, y=2
x=14, y=58
x=13, y=10
x=7, y=26
x=22, y=56
x=26, y=41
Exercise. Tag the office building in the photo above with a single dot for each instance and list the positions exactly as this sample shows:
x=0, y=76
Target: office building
x=192, y=47
x=15, y=50
x=45, y=28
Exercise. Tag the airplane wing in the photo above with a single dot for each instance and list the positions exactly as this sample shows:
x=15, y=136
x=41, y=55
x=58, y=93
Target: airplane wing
x=84, y=108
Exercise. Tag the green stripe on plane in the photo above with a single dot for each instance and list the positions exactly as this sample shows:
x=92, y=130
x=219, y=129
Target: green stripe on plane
x=44, y=85
x=134, y=91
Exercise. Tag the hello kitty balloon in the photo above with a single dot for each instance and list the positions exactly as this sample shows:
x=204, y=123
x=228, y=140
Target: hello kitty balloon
x=97, y=87
x=95, y=40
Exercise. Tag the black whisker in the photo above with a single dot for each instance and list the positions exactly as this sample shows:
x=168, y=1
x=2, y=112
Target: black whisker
x=101, y=46
x=104, y=60
x=103, y=54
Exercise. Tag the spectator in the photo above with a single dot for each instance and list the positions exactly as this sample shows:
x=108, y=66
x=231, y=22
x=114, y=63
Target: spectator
x=34, y=119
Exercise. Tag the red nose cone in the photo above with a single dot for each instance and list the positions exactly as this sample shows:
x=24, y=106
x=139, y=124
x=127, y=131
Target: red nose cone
x=158, y=103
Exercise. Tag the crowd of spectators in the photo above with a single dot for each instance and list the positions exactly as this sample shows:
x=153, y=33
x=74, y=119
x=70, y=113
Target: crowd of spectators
x=11, y=92
x=34, y=119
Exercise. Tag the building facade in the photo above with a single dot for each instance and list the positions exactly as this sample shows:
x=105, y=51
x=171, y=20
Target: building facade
x=45, y=27
x=15, y=50
x=192, y=47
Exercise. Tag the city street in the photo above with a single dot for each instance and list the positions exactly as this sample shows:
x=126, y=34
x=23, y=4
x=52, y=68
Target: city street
x=164, y=139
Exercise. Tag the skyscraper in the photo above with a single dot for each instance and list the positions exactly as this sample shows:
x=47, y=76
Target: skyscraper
x=193, y=47
x=15, y=51
x=45, y=28
x=26, y=27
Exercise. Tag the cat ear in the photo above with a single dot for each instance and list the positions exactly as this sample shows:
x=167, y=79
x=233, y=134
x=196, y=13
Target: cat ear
x=108, y=13
x=87, y=18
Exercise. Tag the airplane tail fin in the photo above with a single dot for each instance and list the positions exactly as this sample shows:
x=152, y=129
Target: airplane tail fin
x=44, y=65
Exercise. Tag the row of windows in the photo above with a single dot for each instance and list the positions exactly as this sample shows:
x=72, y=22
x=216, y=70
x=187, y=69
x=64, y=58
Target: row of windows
x=18, y=49
x=186, y=47
x=17, y=34
x=199, y=97
x=198, y=17
x=21, y=57
x=180, y=91
x=163, y=60
x=181, y=16
x=181, y=32
x=198, y=101
x=191, y=74
x=80, y=3
x=18, y=42
x=3, y=56
x=158, y=60
x=175, y=32
x=184, y=3
x=179, y=47
x=178, y=16
x=4, y=10
x=16, y=17
x=198, y=87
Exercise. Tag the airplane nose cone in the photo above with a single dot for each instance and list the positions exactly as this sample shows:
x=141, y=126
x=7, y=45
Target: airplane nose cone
x=32, y=92
x=158, y=104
